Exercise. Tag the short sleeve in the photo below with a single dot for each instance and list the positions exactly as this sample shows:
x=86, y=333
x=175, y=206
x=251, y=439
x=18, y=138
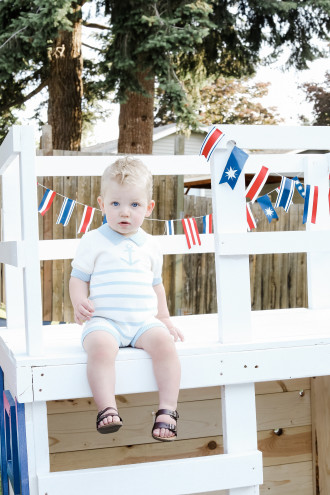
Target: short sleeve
x=83, y=262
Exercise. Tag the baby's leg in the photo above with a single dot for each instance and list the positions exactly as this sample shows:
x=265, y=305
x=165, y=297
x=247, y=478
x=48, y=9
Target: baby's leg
x=158, y=342
x=102, y=349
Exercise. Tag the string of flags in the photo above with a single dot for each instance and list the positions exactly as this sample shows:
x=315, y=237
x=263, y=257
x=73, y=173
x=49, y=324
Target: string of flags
x=285, y=191
x=189, y=225
x=230, y=176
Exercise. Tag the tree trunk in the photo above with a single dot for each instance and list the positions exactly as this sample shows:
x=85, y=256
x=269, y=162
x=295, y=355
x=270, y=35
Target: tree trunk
x=66, y=87
x=136, y=120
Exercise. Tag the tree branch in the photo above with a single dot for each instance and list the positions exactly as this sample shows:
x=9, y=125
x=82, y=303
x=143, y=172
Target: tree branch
x=27, y=97
x=92, y=47
x=95, y=26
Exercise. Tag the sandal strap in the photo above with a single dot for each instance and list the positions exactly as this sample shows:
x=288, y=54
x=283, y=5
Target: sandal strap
x=160, y=424
x=168, y=412
x=104, y=414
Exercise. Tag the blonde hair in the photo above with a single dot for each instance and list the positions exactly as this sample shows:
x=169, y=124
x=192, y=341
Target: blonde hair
x=128, y=170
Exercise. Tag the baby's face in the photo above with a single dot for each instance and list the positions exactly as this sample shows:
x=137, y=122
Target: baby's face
x=125, y=206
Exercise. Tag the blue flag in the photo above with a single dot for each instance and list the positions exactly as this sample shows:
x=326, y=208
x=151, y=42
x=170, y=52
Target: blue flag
x=284, y=197
x=299, y=186
x=234, y=167
x=267, y=207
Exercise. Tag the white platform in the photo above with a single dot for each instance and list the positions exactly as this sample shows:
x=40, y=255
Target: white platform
x=286, y=344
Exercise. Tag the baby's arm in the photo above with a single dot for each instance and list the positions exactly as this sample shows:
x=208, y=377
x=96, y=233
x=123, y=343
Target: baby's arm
x=163, y=314
x=82, y=306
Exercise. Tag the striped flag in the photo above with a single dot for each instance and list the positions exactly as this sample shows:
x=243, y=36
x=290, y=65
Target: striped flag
x=191, y=231
x=256, y=184
x=310, y=206
x=299, y=187
x=86, y=219
x=252, y=224
x=66, y=211
x=207, y=224
x=169, y=227
x=46, y=201
x=210, y=142
x=285, y=194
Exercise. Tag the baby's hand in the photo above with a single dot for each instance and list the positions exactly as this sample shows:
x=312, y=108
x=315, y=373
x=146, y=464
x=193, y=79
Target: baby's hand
x=177, y=334
x=83, y=311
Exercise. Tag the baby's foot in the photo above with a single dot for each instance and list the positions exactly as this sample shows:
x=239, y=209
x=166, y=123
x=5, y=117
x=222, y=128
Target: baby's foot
x=108, y=420
x=165, y=425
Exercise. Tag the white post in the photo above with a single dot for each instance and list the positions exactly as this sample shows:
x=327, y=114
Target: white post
x=30, y=237
x=318, y=264
x=234, y=310
x=11, y=231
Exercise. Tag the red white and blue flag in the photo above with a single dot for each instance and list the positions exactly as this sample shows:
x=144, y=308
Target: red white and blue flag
x=191, y=231
x=211, y=142
x=66, y=211
x=46, y=201
x=169, y=227
x=252, y=224
x=234, y=167
x=86, y=220
x=207, y=224
x=310, y=205
x=256, y=184
x=285, y=194
x=267, y=207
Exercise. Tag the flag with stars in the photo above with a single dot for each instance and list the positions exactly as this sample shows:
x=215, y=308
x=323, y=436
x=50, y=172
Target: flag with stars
x=299, y=186
x=267, y=207
x=234, y=167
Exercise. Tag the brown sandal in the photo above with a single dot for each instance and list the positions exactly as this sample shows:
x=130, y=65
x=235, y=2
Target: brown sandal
x=110, y=427
x=160, y=424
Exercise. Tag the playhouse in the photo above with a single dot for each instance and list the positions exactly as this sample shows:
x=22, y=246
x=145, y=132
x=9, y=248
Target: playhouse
x=48, y=441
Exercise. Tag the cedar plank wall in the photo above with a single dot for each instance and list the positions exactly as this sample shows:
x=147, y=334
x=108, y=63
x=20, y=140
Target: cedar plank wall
x=284, y=433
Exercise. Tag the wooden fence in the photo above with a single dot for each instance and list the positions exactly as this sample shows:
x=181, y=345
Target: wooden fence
x=277, y=280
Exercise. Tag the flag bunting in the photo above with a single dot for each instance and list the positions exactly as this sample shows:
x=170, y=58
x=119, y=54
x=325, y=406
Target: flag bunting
x=252, y=224
x=310, y=205
x=86, y=220
x=66, y=211
x=267, y=207
x=234, y=167
x=207, y=224
x=191, y=231
x=46, y=201
x=169, y=227
x=211, y=141
x=285, y=194
x=257, y=184
x=299, y=187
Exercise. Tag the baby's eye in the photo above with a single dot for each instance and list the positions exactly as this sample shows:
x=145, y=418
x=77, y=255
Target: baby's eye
x=115, y=203
x=135, y=204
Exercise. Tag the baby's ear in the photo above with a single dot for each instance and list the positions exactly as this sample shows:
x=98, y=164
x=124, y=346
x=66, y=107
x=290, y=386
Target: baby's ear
x=101, y=203
x=150, y=207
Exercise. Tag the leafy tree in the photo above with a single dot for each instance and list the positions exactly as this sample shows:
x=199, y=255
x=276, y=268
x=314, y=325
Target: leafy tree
x=160, y=45
x=319, y=95
x=228, y=101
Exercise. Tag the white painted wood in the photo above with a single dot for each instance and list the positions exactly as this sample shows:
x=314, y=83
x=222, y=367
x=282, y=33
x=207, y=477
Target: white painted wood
x=274, y=242
x=274, y=137
x=318, y=264
x=229, y=215
x=11, y=232
x=30, y=236
x=183, y=476
x=10, y=148
x=12, y=253
x=176, y=244
x=94, y=165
